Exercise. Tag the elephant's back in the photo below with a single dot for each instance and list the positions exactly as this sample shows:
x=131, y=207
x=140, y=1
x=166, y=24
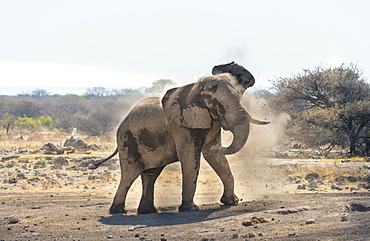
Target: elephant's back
x=146, y=112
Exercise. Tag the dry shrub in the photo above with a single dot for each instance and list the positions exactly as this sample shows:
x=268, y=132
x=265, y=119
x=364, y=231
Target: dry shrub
x=105, y=177
x=46, y=185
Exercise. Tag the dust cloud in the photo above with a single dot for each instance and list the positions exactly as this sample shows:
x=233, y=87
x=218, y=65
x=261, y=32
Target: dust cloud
x=254, y=176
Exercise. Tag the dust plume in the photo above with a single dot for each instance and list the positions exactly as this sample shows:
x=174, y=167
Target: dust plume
x=254, y=176
x=266, y=137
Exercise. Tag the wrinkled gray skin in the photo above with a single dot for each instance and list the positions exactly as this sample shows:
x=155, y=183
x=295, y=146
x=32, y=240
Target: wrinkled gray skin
x=187, y=123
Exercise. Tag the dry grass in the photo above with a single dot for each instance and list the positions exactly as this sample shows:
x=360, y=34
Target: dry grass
x=35, y=139
x=327, y=170
x=46, y=185
x=31, y=139
x=105, y=178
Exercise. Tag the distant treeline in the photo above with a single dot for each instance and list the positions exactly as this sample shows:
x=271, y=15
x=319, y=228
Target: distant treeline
x=96, y=113
x=328, y=107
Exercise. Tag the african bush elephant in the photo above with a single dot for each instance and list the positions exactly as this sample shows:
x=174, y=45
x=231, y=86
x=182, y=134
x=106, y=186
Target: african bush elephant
x=186, y=123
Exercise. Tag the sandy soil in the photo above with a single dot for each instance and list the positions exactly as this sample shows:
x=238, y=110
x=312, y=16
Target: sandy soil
x=270, y=209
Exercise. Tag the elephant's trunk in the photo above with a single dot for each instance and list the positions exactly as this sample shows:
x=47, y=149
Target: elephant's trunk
x=237, y=121
x=239, y=126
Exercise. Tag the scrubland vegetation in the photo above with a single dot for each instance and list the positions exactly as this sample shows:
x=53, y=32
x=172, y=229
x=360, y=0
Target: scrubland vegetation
x=329, y=107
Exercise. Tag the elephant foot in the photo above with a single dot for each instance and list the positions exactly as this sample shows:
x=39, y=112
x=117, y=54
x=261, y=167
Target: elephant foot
x=188, y=207
x=117, y=208
x=146, y=210
x=229, y=199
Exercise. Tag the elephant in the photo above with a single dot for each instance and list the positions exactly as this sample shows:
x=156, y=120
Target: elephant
x=181, y=126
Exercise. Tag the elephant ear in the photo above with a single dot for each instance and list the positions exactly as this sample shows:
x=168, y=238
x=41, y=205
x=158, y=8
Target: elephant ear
x=243, y=76
x=185, y=107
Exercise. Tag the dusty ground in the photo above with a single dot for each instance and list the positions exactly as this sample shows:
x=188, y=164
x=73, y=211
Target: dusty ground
x=76, y=206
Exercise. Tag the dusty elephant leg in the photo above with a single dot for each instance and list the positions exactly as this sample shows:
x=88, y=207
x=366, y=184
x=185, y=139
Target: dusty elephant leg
x=148, y=178
x=188, y=146
x=221, y=166
x=190, y=173
x=129, y=173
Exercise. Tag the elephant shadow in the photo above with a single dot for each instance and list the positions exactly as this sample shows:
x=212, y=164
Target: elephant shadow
x=169, y=217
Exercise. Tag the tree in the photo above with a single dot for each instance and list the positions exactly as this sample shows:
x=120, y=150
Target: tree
x=66, y=110
x=97, y=92
x=99, y=121
x=7, y=121
x=159, y=86
x=29, y=108
x=127, y=92
x=40, y=93
x=328, y=105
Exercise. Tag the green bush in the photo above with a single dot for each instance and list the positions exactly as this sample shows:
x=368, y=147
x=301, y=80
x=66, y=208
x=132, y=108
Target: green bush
x=41, y=162
x=37, y=178
x=29, y=122
x=26, y=122
x=46, y=121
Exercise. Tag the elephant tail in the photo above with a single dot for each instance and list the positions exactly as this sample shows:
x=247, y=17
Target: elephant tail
x=96, y=165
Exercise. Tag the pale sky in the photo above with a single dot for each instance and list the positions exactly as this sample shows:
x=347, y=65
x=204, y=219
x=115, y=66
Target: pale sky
x=125, y=44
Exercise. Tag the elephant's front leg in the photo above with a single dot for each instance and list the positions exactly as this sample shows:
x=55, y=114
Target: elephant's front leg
x=190, y=171
x=148, y=178
x=221, y=166
x=188, y=146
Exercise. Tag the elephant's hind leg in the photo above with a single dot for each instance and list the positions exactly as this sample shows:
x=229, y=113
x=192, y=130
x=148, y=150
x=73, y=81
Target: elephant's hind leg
x=129, y=172
x=148, y=178
x=221, y=166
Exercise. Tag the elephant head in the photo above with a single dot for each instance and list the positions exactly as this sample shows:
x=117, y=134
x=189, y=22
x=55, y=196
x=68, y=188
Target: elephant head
x=211, y=100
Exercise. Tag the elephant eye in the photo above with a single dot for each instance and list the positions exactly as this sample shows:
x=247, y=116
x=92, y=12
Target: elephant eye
x=213, y=89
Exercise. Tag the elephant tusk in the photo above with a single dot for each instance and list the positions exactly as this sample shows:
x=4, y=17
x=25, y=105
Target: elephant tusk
x=258, y=122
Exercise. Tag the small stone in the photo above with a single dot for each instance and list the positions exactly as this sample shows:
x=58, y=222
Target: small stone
x=313, y=183
x=13, y=219
x=137, y=235
x=293, y=235
x=21, y=175
x=247, y=223
x=344, y=218
x=13, y=180
x=235, y=235
x=110, y=236
x=132, y=228
x=260, y=235
x=366, y=178
x=310, y=221
x=312, y=176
